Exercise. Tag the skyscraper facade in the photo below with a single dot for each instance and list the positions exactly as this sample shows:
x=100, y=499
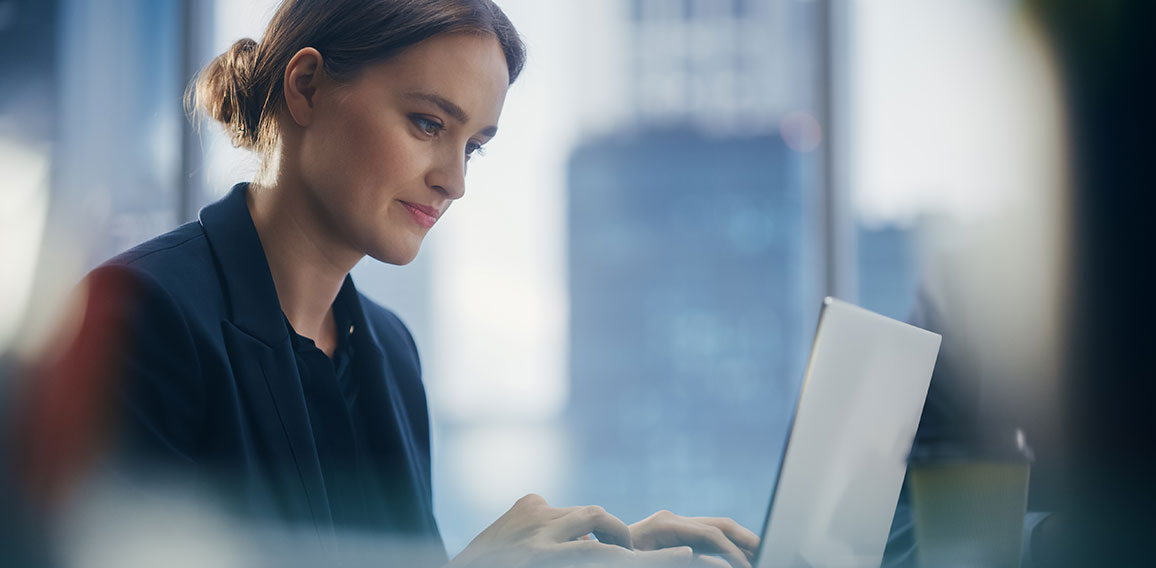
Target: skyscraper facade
x=693, y=263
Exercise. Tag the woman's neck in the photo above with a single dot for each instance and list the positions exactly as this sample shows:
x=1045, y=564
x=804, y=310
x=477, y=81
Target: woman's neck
x=306, y=258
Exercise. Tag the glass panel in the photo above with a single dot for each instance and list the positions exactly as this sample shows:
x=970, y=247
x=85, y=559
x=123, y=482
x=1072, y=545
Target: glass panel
x=28, y=55
x=619, y=310
x=950, y=144
x=957, y=170
x=120, y=116
x=692, y=265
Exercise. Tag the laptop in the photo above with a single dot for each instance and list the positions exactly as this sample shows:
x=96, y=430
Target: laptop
x=847, y=449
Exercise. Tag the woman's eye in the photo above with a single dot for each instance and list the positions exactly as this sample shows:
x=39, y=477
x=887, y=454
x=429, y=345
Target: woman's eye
x=474, y=149
x=430, y=127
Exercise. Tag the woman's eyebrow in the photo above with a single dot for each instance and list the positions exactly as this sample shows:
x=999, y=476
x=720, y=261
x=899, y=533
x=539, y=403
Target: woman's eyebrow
x=449, y=107
x=446, y=105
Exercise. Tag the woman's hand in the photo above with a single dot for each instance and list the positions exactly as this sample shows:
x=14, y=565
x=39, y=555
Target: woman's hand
x=533, y=533
x=710, y=537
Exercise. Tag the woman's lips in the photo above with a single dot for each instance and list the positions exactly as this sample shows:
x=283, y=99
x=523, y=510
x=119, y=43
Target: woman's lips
x=423, y=215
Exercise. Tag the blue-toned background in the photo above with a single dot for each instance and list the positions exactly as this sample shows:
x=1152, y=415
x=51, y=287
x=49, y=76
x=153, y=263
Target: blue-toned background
x=619, y=310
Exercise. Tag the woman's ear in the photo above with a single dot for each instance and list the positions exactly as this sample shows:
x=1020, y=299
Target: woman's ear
x=302, y=76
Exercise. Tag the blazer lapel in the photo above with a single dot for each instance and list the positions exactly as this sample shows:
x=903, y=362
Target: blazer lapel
x=389, y=427
x=262, y=357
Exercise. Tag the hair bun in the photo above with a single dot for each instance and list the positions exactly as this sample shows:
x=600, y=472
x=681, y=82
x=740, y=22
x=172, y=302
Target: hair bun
x=224, y=91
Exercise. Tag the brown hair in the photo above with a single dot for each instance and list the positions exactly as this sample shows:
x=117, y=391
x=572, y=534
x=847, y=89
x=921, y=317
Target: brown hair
x=242, y=88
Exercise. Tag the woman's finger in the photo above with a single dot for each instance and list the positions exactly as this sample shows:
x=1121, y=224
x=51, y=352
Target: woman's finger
x=591, y=552
x=701, y=561
x=592, y=519
x=738, y=534
x=707, y=539
x=677, y=557
x=539, y=506
x=663, y=557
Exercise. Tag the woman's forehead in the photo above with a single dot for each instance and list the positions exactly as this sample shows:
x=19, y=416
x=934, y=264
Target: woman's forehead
x=467, y=70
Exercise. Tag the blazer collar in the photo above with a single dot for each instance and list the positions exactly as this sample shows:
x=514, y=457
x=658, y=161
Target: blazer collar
x=248, y=282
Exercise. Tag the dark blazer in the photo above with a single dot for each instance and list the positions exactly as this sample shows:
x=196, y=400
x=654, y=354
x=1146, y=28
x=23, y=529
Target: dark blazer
x=210, y=387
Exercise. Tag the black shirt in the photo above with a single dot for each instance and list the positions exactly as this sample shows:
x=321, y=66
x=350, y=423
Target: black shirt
x=332, y=386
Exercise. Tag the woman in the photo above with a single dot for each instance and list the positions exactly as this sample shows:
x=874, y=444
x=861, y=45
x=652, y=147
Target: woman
x=254, y=365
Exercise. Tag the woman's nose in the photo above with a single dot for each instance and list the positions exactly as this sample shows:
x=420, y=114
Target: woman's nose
x=449, y=176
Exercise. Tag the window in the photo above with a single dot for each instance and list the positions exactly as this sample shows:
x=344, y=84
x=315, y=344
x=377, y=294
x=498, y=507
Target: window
x=620, y=310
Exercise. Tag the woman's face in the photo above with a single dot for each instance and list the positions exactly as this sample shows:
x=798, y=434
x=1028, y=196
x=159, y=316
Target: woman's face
x=382, y=157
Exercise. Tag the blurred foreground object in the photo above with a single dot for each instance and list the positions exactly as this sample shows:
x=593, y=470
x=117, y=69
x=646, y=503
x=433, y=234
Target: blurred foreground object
x=1107, y=55
x=970, y=502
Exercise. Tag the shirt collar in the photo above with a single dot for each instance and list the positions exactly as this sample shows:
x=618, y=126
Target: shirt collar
x=345, y=306
x=248, y=281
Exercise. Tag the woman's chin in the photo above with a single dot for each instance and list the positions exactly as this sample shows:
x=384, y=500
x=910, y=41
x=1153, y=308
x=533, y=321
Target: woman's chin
x=399, y=255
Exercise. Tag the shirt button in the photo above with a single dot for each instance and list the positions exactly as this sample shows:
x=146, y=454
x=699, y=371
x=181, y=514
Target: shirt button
x=350, y=329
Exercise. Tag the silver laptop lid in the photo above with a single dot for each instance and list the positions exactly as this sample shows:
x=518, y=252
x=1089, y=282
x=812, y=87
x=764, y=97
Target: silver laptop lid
x=846, y=454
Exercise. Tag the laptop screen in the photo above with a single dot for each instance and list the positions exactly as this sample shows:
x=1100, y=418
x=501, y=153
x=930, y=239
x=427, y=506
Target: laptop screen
x=847, y=449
